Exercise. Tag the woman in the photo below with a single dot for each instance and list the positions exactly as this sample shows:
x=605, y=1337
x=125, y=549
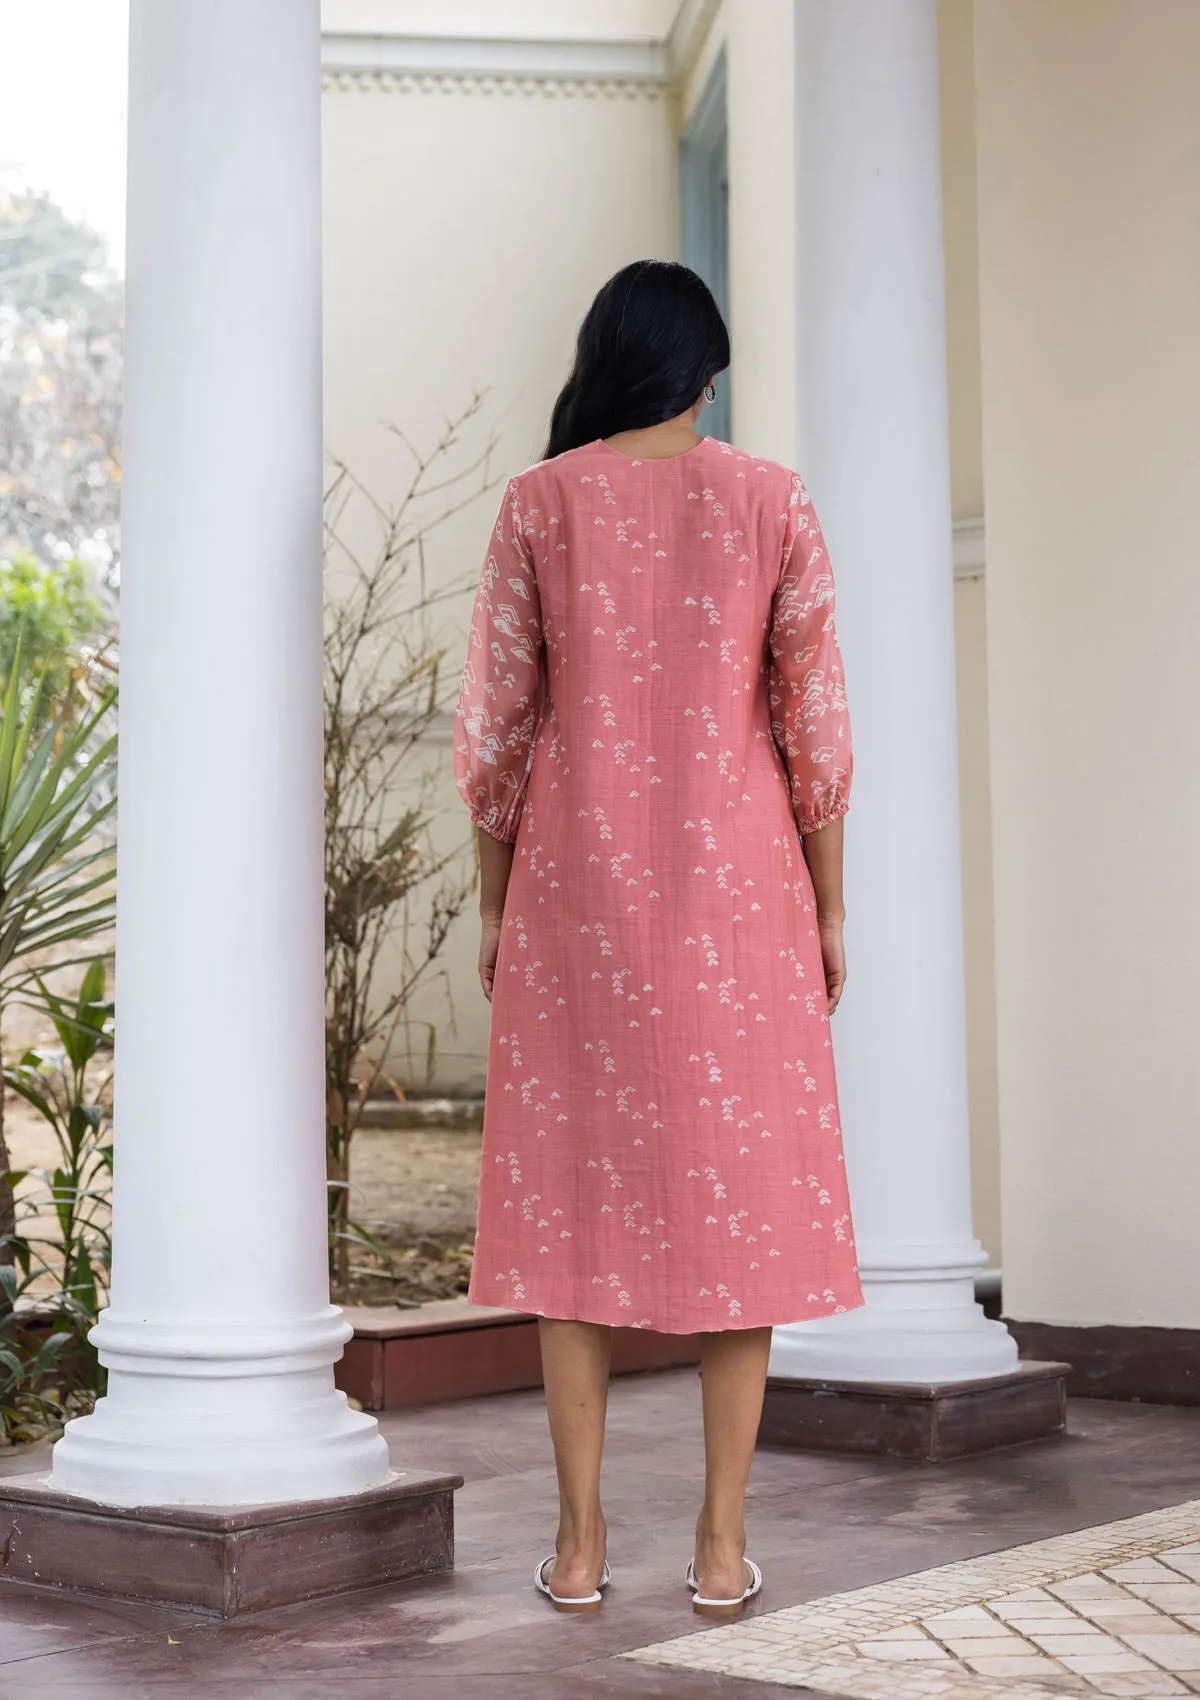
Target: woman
x=651, y=737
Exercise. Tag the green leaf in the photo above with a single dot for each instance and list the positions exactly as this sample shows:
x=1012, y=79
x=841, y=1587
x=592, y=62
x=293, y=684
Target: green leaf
x=21, y=1084
x=9, y=769
x=91, y=993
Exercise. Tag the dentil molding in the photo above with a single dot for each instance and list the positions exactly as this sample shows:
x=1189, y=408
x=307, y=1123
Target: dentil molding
x=460, y=83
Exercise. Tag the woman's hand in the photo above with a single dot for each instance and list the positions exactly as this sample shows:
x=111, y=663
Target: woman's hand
x=833, y=956
x=489, y=945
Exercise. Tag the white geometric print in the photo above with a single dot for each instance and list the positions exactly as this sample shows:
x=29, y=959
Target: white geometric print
x=653, y=711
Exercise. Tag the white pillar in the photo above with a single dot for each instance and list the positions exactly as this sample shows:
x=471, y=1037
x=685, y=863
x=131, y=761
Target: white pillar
x=220, y=1338
x=874, y=447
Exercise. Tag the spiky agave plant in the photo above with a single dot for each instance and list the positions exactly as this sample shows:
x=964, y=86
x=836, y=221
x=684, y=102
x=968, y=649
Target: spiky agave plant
x=57, y=861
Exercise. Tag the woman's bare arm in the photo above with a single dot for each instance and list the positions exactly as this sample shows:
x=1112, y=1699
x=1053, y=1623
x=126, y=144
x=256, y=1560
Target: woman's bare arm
x=495, y=866
x=823, y=854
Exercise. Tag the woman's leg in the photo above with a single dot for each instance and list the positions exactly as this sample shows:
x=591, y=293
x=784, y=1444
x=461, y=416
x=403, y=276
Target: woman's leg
x=575, y=1365
x=733, y=1376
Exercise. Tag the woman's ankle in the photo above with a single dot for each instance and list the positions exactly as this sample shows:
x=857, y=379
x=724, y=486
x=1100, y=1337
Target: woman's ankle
x=715, y=1533
x=588, y=1533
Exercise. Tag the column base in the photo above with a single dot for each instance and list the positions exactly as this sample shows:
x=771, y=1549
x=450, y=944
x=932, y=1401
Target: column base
x=220, y=1413
x=928, y=1423
x=228, y=1560
x=920, y=1324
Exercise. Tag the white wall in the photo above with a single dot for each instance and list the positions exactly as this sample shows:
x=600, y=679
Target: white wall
x=1089, y=175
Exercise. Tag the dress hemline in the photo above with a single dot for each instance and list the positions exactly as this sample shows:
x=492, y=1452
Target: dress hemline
x=584, y=1313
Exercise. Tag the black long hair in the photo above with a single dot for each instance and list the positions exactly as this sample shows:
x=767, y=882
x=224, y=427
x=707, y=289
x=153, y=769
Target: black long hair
x=651, y=340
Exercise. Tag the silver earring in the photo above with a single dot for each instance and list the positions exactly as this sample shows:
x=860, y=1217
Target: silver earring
x=710, y=392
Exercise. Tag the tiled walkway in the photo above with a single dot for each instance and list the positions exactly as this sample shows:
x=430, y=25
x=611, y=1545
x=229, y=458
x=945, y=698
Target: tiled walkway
x=1111, y=1611
x=820, y=1526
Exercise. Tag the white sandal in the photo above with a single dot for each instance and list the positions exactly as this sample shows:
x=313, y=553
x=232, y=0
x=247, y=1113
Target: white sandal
x=560, y=1602
x=701, y=1603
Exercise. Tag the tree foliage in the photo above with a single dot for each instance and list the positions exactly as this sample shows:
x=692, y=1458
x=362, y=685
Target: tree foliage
x=54, y=614
x=60, y=385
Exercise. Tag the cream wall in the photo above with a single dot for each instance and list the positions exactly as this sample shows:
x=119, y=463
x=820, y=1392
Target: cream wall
x=1089, y=181
x=465, y=235
x=970, y=630
x=957, y=67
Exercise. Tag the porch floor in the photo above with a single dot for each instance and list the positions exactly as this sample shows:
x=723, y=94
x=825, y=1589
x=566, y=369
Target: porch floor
x=818, y=1525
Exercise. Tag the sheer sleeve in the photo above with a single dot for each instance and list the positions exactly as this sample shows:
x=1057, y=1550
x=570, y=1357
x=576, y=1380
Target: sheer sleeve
x=499, y=698
x=809, y=720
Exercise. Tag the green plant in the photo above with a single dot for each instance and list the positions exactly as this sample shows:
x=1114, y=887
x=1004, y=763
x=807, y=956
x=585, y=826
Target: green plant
x=30, y=1398
x=62, y=1248
x=57, y=861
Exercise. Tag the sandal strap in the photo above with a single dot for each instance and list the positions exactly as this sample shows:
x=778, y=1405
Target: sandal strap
x=748, y=1593
x=543, y=1587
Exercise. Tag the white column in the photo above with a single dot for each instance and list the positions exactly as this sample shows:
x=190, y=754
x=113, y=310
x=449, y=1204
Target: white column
x=874, y=448
x=220, y=1338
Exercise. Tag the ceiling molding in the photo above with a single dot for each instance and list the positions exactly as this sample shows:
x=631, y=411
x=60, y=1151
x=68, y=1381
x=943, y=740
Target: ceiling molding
x=643, y=65
x=510, y=64
x=968, y=548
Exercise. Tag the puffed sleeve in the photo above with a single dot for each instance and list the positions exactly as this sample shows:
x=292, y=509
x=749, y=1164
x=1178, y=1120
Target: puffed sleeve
x=500, y=696
x=809, y=720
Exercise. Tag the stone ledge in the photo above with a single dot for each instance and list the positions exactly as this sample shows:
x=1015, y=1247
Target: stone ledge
x=459, y=1115
x=227, y=1560
x=1115, y=1361
x=928, y=1423
x=453, y=1349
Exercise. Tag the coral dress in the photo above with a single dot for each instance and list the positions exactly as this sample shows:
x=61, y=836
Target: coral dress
x=652, y=710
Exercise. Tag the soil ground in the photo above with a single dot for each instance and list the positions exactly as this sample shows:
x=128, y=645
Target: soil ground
x=412, y=1191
